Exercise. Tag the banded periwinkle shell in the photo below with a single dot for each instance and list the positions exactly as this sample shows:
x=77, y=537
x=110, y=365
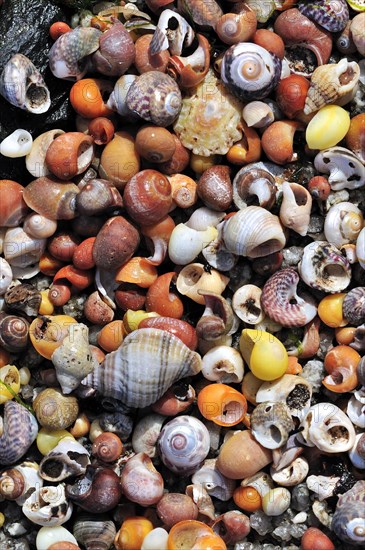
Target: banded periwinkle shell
x=94, y=532
x=146, y=364
x=332, y=15
x=23, y=86
x=68, y=57
x=155, y=96
x=354, y=306
x=183, y=444
x=19, y=432
x=250, y=71
x=349, y=518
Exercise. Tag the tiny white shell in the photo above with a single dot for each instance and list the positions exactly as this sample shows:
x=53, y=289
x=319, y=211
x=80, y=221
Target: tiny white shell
x=18, y=144
x=6, y=276
x=155, y=540
x=50, y=535
x=203, y=218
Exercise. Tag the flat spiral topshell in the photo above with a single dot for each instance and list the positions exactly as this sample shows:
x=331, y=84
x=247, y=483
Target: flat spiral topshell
x=147, y=363
x=250, y=71
x=349, y=519
x=155, y=97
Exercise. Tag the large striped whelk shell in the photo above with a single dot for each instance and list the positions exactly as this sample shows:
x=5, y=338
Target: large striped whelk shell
x=332, y=83
x=253, y=232
x=147, y=363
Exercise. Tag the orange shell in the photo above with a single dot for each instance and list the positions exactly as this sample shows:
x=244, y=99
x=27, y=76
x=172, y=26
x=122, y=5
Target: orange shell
x=66, y=156
x=248, y=149
x=161, y=300
x=247, y=498
x=184, y=534
x=132, y=532
x=139, y=271
x=111, y=335
x=270, y=41
x=83, y=255
x=341, y=364
x=184, y=190
x=47, y=333
x=277, y=141
x=86, y=97
x=79, y=278
x=222, y=404
x=49, y=265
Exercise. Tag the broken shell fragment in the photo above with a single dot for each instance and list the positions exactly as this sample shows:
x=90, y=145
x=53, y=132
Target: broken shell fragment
x=68, y=458
x=48, y=506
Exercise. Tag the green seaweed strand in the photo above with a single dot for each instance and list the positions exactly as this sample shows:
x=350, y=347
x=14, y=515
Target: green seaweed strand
x=17, y=398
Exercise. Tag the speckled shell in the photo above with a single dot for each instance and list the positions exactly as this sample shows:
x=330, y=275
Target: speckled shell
x=330, y=83
x=147, y=363
x=345, y=169
x=209, y=120
x=20, y=430
x=73, y=359
x=253, y=232
x=315, y=267
x=68, y=55
x=343, y=223
x=348, y=520
x=281, y=302
x=183, y=444
x=332, y=15
x=17, y=79
x=259, y=82
x=290, y=389
x=271, y=423
x=353, y=306
x=155, y=97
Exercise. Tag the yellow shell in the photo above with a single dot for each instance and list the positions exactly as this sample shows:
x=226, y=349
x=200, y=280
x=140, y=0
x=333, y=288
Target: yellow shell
x=328, y=127
x=9, y=375
x=209, y=118
x=265, y=354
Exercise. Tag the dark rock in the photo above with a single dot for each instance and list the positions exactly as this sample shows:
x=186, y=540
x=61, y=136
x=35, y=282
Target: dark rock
x=24, y=28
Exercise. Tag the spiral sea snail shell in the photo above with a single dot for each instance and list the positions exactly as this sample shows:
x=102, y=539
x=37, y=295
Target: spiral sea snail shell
x=323, y=267
x=250, y=71
x=332, y=15
x=348, y=521
x=183, y=444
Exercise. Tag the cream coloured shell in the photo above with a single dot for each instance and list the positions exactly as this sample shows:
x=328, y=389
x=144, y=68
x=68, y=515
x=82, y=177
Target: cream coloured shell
x=48, y=536
x=146, y=432
x=291, y=389
x=48, y=506
x=291, y=475
x=18, y=144
x=36, y=159
x=345, y=169
x=193, y=278
x=261, y=481
x=68, y=458
x=246, y=303
x=324, y=267
x=146, y=364
x=215, y=483
x=322, y=486
x=332, y=83
x=253, y=232
x=194, y=242
x=73, y=359
x=223, y=364
x=327, y=428
x=296, y=207
x=208, y=123
x=20, y=249
x=360, y=248
x=343, y=224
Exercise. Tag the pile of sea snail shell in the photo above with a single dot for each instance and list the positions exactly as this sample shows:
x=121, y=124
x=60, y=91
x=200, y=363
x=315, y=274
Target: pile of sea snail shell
x=182, y=284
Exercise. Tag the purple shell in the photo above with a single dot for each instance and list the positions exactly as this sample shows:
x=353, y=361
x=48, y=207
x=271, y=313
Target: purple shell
x=332, y=15
x=116, y=51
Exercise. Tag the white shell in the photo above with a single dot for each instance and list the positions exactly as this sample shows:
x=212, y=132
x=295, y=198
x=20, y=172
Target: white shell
x=117, y=99
x=36, y=158
x=360, y=248
x=155, y=540
x=20, y=249
x=50, y=535
x=343, y=223
x=172, y=38
x=357, y=460
x=327, y=428
x=253, y=232
x=282, y=390
x=18, y=144
x=146, y=432
x=246, y=304
x=215, y=483
x=356, y=412
x=194, y=242
x=261, y=481
x=38, y=226
x=223, y=364
x=258, y=114
x=296, y=207
x=322, y=486
x=6, y=276
x=204, y=218
x=68, y=458
x=345, y=169
x=48, y=506
x=291, y=475
x=324, y=267
x=73, y=359
x=216, y=254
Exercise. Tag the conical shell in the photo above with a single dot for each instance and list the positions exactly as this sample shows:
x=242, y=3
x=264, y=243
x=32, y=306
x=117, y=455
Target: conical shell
x=73, y=359
x=147, y=363
x=330, y=83
x=20, y=430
